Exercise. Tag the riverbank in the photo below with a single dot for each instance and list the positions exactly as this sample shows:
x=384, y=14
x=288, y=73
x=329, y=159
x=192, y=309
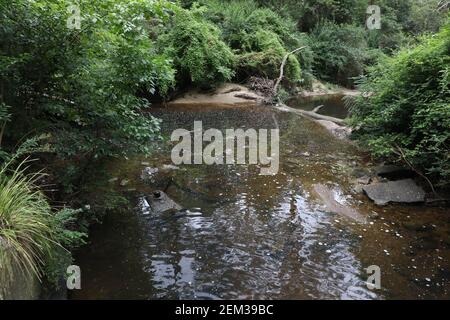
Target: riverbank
x=225, y=94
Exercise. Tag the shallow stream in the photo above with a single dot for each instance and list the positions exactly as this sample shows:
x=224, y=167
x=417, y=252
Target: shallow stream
x=247, y=236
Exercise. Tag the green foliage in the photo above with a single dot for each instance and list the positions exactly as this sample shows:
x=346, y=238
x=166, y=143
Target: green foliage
x=311, y=13
x=65, y=225
x=261, y=38
x=32, y=237
x=407, y=114
x=25, y=233
x=197, y=50
x=340, y=52
x=83, y=87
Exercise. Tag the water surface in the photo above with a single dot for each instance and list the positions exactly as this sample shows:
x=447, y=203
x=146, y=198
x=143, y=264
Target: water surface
x=333, y=105
x=246, y=236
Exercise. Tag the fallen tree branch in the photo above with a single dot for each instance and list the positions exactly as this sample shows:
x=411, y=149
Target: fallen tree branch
x=317, y=109
x=310, y=114
x=283, y=64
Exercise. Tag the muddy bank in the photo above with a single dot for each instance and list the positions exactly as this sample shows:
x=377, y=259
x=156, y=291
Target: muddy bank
x=226, y=94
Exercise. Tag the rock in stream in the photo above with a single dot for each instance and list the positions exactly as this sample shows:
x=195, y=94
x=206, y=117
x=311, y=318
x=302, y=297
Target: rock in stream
x=401, y=191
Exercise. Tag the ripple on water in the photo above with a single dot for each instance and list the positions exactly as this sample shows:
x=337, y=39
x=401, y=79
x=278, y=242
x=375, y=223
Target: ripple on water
x=253, y=238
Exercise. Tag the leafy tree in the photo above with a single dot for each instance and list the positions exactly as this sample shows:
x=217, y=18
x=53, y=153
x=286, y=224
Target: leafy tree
x=341, y=52
x=197, y=50
x=83, y=88
x=406, y=116
x=261, y=38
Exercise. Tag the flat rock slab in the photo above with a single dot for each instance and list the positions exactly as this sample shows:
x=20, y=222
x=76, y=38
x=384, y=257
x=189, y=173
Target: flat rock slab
x=160, y=202
x=401, y=191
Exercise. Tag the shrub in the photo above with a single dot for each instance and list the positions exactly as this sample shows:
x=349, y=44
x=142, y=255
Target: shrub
x=85, y=89
x=407, y=115
x=261, y=38
x=197, y=50
x=310, y=13
x=32, y=237
x=340, y=52
x=82, y=87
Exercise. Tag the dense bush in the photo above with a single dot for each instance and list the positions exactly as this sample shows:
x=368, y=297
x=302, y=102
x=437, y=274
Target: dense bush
x=33, y=238
x=310, y=13
x=197, y=50
x=82, y=92
x=406, y=116
x=261, y=38
x=341, y=52
x=81, y=86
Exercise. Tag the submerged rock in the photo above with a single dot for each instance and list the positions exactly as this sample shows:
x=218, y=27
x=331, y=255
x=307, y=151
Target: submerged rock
x=168, y=167
x=159, y=202
x=329, y=198
x=364, y=180
x=341, y=132
x=360, y=172
x=149, y=172
x=402, y=191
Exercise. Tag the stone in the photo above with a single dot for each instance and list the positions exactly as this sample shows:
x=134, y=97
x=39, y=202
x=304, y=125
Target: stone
x=148, y=172
x=159, y=202
x=374, y=215
x=360, y=172
x=364, y=180
x=306, y=154
x=358, y=189
x=401, y=191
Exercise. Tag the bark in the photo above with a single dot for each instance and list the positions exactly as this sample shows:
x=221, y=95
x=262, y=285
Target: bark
x=310, y=114
x=283, y=64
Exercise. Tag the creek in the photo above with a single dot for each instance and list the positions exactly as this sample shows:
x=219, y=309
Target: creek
x=249, y=236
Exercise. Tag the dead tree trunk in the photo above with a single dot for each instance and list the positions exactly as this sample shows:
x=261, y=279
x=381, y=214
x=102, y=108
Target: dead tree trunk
x=283, y=64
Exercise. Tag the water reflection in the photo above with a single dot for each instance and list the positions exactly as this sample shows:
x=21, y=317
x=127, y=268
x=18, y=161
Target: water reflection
x=241, y=235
